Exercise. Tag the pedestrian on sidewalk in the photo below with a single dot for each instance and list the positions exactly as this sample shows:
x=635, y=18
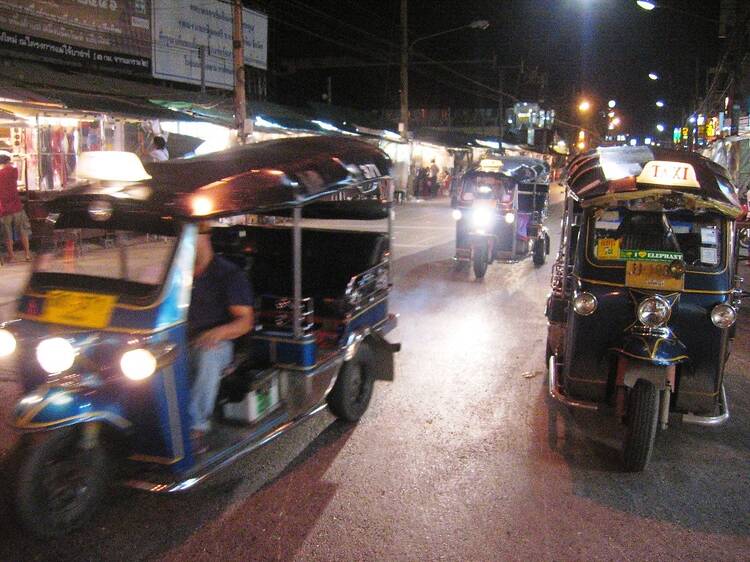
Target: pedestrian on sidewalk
x=12, y=216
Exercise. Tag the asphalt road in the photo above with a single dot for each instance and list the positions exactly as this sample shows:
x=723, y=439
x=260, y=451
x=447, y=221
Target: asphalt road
x=463, y=457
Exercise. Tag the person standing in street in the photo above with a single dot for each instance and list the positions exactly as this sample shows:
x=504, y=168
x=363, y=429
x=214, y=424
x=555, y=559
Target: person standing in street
x=159, y=152
x=12, y=216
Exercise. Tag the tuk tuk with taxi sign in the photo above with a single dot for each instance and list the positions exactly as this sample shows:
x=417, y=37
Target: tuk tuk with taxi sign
x=101, y=344
x=500, y=212
x=645, y=293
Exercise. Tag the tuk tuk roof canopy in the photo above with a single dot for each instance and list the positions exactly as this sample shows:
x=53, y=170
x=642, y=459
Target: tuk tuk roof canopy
x=610, y=175
x=520, y=168
x=269, y=176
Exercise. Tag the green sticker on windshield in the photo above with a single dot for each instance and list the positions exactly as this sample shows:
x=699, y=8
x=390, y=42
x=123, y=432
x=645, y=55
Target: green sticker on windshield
x=649, y=255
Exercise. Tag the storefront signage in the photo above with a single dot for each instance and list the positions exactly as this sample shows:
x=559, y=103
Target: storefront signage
x=103, y=32
x=182, y=27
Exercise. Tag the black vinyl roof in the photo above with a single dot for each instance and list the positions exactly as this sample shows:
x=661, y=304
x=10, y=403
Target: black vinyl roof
x=256, y=178
x=612, y=174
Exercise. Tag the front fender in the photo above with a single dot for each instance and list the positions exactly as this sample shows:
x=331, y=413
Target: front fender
x=53, y=407
x=653, y=349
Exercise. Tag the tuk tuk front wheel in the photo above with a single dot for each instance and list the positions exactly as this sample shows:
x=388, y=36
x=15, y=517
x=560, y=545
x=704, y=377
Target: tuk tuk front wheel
x=350, y=396
x=61, y=482
x=643, y=417
x=540, y=252
x=480, y=260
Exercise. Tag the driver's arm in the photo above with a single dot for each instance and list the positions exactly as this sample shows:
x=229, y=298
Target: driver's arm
x=241, y=324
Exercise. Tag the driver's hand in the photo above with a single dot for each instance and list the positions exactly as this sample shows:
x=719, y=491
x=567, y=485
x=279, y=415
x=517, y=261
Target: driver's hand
x=209, y=338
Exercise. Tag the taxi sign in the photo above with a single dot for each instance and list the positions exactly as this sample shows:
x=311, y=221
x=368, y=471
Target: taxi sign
x=674, y=174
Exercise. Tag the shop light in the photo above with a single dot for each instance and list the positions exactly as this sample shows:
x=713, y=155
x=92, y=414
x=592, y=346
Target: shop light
x=55, y=121
x=488, y=144
x=633, y=142
x=647, y=141
x=261, y=122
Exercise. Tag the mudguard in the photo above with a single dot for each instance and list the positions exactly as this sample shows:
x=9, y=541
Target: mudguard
x=53, y=407
x=657, y=350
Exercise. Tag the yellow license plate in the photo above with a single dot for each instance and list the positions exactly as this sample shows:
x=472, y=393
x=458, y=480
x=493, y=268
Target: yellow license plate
x=84, y=310
x=652, y=275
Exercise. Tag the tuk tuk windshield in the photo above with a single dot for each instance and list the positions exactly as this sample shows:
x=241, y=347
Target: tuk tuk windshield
x=621, y=234
x=131, y=263
x=487, y=186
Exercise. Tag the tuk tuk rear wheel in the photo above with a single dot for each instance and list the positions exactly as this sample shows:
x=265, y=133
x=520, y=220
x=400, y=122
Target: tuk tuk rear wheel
x=643, y=417
x=61, y=482
x=480, y=261
x=350, y=396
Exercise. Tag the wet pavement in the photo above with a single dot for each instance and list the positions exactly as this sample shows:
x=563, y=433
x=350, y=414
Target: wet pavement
x=463, y=457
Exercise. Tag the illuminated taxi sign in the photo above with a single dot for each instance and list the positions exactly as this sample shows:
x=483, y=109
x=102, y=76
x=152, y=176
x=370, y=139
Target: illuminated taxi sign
x=491, y=164
x=663, y=172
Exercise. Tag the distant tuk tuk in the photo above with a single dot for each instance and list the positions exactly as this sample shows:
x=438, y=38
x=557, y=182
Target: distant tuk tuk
x=101, y=343
x=645, y=292
x=500, y=213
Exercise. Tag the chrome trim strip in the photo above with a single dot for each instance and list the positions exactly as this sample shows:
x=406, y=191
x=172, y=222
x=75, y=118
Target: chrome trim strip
x=558, y=395
x=711, y=421
x=191, y=481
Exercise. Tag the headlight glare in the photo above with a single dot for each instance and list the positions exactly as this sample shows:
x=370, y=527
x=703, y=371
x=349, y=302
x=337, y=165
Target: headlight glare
x=584, y=304
x=7, y=343
x=723, y=315
x=510, y=217
x=482, y=217
x=457, y=214
x=138, y=364
x=55, y=355
x=653, y=311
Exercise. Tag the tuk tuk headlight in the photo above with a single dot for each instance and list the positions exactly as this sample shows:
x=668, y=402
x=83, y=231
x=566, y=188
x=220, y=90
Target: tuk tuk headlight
x=653, y=311
x=584, y=304
x=55, y=355
x=482, y=217
x=138, y=364
x=723, y=315
x=7, y=343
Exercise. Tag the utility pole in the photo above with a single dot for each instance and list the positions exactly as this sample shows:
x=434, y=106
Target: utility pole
x=404, y=126
x=238, y=48
x=202, y=58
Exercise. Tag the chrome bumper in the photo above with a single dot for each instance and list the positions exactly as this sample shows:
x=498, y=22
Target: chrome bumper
x=557, y=394
x=711, y=421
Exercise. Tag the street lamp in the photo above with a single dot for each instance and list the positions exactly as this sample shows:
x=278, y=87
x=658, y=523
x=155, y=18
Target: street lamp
x=653, y=75
x=611, y=104
x=646, y=5
x=649, y=5
x=584, y=106
x=660, y=128
x=659, y=103
x=406, y=48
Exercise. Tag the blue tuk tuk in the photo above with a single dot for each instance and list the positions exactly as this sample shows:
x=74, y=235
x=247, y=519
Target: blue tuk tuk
x=501, y=208
x=101, y=345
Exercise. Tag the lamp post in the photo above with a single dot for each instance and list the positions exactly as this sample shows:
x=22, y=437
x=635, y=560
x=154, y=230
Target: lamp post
x=649, y=5
x=406, y=48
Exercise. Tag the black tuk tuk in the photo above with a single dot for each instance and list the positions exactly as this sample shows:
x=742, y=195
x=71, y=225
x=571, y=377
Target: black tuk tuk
x=500, y=213
x=644, y=290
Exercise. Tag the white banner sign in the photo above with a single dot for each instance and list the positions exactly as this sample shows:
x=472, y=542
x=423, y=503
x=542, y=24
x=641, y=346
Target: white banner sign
x=181, y=27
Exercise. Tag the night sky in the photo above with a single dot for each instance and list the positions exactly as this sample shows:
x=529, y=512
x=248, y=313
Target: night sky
x=602, y=49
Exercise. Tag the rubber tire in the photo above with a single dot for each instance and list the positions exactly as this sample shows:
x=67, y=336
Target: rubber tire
x=479, y=260
x=33, y=506
x=643, y=419
x=359, y=371
x=539, y=254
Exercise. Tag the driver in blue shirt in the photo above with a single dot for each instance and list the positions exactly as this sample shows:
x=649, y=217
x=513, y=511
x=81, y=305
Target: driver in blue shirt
x=221, y=310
